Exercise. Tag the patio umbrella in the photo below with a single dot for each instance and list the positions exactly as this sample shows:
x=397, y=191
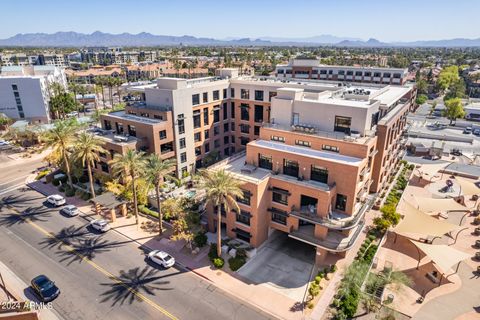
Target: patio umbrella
x=444, y=256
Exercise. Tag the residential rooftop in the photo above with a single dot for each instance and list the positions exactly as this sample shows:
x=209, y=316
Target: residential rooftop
x=125, y=116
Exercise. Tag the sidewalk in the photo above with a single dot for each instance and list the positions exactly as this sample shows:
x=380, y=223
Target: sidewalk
x=258, y=295
x=16, y=287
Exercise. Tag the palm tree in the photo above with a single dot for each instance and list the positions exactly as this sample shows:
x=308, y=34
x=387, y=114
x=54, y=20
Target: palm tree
x=156, y=171
x=129, y=167
x=110, y=81
x=100, y=81
x=61, y=138
x=86, y=149
x=221, y=189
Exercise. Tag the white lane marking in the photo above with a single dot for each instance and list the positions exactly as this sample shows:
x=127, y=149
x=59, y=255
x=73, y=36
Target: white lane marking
x=17, y=178
x=12, y=188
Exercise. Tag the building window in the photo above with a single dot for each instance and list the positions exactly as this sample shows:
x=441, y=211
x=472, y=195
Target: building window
x=258, y=116
x=205, y=116
x=104, y=166
x=206, y=134
x=182, y=143
x=290, y=168
x=216, y=95
x=232, y=110
x=232, y=93
x=132, y=130
x=107, y=124
x=349, y=73
x=216, y=143
x=196, y=121
x=207, y=147
x=319, y=174
x=183, y=157
x=226, y=151
x=232, y=126
x=119, y=127
x=216, y=130
x=244, y=141
x=358, y=73
x=156, y=116
x=265, y=162
x=244, y=128
x=279, y=216
x=226, y=139
x=303, y=143
x=244, y=114
x=205, y=97
x=195, y=99
x=243, y=217
x=367, y=74
x=256, y=130
x=296, y=119
x=243, y=235
x=377, y=74
x=216, y=114
x=280, y=195
x=226, y=127
x=244, y=94
x=198, y=151
x=245, y=199
x=277, y=138
x=181, y=126
x=386, y=75
x=259, y=95
x=224, y=93
x=342, y=124
x=197, y=136
x=341, y=203
x=225, y=111
x=326, y=147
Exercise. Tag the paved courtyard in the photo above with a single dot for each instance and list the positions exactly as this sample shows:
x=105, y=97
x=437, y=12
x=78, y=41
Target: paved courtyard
x=283, y=264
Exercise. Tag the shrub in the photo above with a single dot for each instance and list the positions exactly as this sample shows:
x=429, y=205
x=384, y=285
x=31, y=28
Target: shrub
x=56, y=182
x=372, y=237
x=218, y=262
x=147, y=211
x=349, y=303
x=236, y=263
x=61, y=188
x=333, y=268
x=212, y=254
x=242, y=253
x=63, y=179
x=368, y=256
x=320, y=274
x=69, y=192
x=421, y=99
x=83, y=179
x=318, y=279
x=314, y=289
x=42, y=174
x=310, y=305
x=200, y=239
x=86, y=196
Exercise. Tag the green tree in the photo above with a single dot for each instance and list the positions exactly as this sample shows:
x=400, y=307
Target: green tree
x=86, y=150
x=129, y=167
x=61, y=102
x=421, y=99
x=61, y=138
x=454, y=109
x=221, y=189
x=156, y=170
x=422, y=86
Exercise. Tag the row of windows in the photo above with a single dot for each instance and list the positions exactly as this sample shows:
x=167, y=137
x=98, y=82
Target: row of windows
x=281, y=196
x=344, y=72
x=215, y=96
x=291, y=168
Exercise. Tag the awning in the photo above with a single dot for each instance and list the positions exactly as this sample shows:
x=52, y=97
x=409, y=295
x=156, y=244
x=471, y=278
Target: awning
x=419, y=223
x=108, y=200
x=428, y=171
x=434, y=205
x=444, y=256
x=469, y=186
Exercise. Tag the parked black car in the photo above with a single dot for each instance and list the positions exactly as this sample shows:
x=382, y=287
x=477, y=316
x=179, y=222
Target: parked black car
x=45, y=288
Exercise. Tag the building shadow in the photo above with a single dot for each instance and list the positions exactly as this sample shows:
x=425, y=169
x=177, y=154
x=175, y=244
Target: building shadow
x=126, y=287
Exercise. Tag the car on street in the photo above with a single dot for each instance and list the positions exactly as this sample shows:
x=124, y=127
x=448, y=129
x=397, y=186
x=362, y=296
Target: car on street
x=45, y=288
x=100, y=225
x=161, y=258
x=70, y=210
x=476, y=132
x=467, y=130
x=56, y=200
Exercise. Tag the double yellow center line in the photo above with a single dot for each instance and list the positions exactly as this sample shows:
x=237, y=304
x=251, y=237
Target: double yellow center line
x=69, y=248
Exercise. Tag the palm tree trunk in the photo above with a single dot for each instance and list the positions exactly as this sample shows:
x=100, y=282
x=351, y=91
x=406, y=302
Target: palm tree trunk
x=67, y=167
x=219, y=231
x=135, y=205
x=111, y=95
x=160, y=214
x=90, y=179
x=103, y=96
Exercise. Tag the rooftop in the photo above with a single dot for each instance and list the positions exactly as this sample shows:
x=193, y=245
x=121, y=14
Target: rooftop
x=308, y=152
x=131, y=117
x=236, y=165
x=111, y=136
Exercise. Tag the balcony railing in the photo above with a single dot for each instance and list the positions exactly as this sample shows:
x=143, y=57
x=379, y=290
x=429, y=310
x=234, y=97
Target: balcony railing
x=335, y=241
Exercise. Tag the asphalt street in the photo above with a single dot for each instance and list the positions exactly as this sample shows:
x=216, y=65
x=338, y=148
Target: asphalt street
x=101, y=276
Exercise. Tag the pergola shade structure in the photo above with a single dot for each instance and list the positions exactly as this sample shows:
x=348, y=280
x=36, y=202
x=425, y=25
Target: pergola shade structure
x=443, y=256
x=469, y=187
x=110, y=201
x=430, y=171
x=416, y=222
x=434, y=205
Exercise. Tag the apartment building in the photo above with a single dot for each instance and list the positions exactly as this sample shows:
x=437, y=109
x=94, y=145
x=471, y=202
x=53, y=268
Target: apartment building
x=312, y=69
x=24, y=91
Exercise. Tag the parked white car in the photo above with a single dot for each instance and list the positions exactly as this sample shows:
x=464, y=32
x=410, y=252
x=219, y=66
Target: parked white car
x=161, y=258
x=100, y=225
x=56, y=200
x=70, y=210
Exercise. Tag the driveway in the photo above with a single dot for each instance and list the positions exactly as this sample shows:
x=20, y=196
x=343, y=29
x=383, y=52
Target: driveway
x=283, y=264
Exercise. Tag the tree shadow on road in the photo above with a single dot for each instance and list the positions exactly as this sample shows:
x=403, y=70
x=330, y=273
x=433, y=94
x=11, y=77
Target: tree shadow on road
x=17, y=201
x=34, y=214
x=63, y=237
x=125, y=287
x=87, y=248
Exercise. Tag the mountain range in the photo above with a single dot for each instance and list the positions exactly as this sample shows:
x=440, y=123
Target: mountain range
x=99, y=39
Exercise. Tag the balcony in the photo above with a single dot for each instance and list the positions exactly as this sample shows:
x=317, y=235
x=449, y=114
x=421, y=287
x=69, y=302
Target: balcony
x=335, y=220
x=335, y=240
x=305, y=183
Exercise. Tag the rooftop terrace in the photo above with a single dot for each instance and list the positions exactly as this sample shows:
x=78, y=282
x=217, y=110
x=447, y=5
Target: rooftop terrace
x=121, y=115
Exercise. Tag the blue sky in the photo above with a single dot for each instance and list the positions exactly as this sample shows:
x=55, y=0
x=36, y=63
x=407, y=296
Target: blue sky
x=387, y=20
